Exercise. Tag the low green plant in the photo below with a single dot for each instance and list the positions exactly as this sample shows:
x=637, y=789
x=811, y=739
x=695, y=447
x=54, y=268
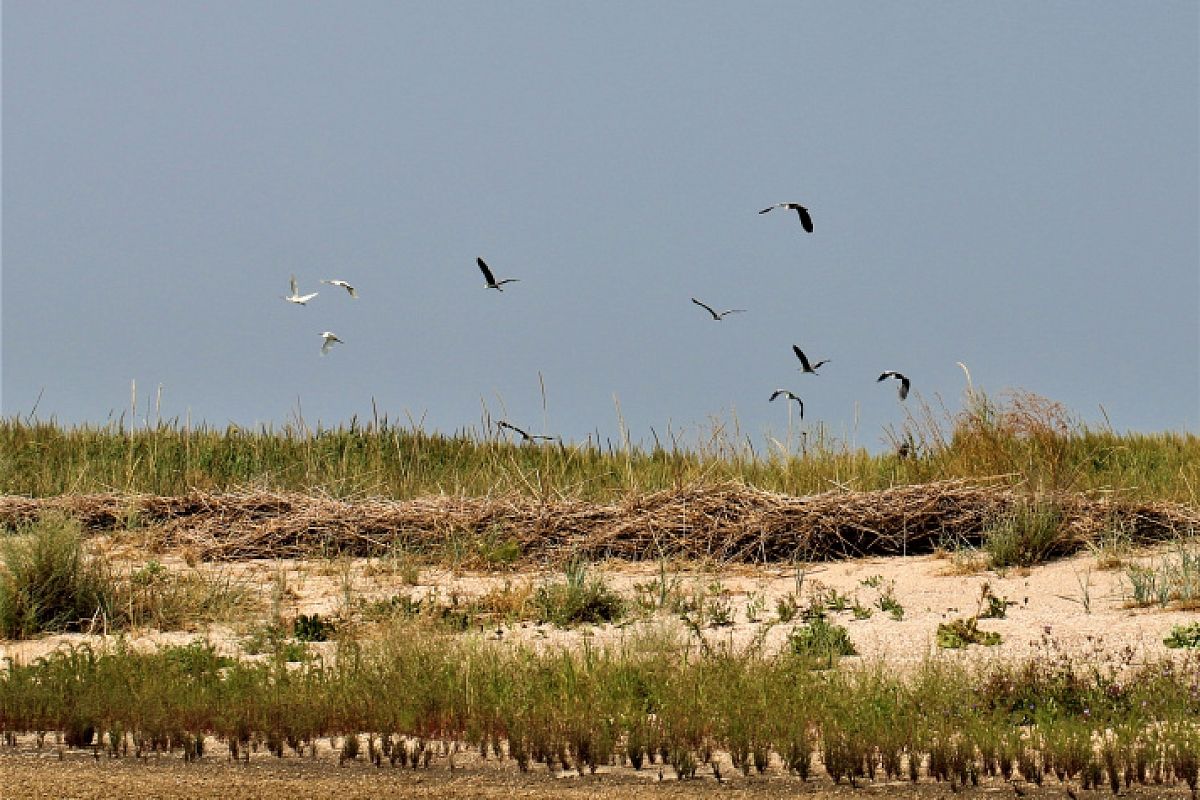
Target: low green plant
x=578, y=599
x=1186, y=636
x=1175, y=579
x=786, y=608
x=821, y=641
x=312, y=628
x=964, y=631
x=990, y=605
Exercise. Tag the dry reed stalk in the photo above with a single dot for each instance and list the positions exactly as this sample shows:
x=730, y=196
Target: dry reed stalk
x=726, y=522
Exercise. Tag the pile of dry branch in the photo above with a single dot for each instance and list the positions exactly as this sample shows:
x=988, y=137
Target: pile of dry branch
x=724, y=522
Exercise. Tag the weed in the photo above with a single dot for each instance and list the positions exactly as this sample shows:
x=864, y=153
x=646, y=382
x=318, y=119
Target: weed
x=1184, y=636
x=48, y=583
x=964, y=631
x=1027, y=534
x=820, y=641
x=579, y=598
x=311, y=628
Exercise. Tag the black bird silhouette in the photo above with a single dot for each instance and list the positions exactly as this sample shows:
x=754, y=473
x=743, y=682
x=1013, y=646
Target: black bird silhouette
x=904, y=382
x=718, y=316
x=804, y=365
x=492, y=283
x=526, y=437
x=790, y=396
x=805, y=219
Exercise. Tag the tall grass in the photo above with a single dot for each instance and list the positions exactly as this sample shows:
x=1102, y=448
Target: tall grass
x=648, y=699
x=1027, y=440
x=49, y=583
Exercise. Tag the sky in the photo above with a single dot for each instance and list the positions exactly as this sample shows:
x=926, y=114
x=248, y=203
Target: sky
x=1013, y=185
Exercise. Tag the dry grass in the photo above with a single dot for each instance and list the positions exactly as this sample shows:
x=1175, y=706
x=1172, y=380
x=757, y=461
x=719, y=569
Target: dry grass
x=726, y=522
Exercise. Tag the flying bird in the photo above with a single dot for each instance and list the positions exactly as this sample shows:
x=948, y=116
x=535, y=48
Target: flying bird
x=804, y=365
x=805, y=219
x=526, y=437
x=904, y=382
x=296, y=297
x=343, y=284
x=790, y=396
x=718, y=316
x=492, y=283
x=330, y=337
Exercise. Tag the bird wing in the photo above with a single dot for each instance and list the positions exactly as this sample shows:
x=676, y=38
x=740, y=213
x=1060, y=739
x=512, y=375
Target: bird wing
x=294, y=290
x=487, y=273
x=803, y=359
x=305, y=298
x=904, y=384
x=769, y=208
x=775, y=394
x=707, y=308
x=508, y=280
x=805, y=219
x=884, y=376
x=734, y=311
x=512, y=427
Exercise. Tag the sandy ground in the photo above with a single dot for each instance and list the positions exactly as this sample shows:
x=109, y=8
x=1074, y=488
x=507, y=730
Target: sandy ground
x=1072, y=602
x=1081, y=607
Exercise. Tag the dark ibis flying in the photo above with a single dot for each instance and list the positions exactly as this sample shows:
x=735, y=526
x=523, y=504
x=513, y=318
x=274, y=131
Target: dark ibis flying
x=805, y=366
x=492, y=283
x=790, y=396
x=805, y=218
x=718, y=315
x=904, y=382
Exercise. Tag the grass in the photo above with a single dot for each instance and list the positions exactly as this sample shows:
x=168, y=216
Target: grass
x=49, y=583
x=1026, y=441
x=652, y=699
x=1174, y=580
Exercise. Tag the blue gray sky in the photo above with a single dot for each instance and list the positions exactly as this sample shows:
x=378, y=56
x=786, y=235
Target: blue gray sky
x=1011, y=185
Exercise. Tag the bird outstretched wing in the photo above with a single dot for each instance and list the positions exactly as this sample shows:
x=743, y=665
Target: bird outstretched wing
x=487, y=273
x=803, y=358
x=805, y=218
x=707, y=308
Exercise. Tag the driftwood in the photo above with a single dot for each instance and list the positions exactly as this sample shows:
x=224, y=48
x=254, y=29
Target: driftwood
x=726, y=522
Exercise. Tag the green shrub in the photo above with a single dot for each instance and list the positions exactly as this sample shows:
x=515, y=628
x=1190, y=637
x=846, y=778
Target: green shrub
x=1184, y=636
x=962, y=632
x=47, y=582
x=1028, y=534
x=820, y=640
x=579, y=599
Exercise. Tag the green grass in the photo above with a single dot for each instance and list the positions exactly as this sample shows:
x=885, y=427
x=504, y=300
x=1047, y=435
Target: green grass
x=652, y=698
x=1028, y=441
x=49, y=583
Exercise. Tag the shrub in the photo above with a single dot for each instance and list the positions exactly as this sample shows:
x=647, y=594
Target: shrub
x=47, y=583
x=962, y=632
x=820, y=640
x=1184, y=636
x=1028, y=534
x=578, y=599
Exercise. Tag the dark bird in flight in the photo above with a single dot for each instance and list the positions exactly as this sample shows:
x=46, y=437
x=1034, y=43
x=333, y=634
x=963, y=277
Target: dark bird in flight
x=790, y=396
x=492, y=283
x=904, y=382
x=804, y=365
x=805, y=219
x=718, y=316
x=525, y=437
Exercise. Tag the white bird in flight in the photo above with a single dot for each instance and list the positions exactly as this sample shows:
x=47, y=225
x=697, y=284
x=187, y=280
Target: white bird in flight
x=330, y=337
x=296, y=297
x=343, y=284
